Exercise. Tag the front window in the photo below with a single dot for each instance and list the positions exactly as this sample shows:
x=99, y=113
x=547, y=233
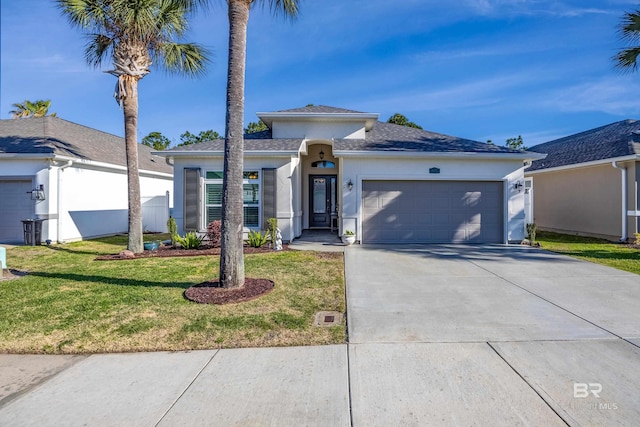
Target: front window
x=250, y=195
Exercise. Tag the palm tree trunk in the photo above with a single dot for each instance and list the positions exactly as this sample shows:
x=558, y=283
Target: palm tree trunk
x=231, y=255
x=130, y=109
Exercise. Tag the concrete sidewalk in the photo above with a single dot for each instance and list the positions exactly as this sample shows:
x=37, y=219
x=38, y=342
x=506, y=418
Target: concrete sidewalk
x=264, y=386
x=439, y=335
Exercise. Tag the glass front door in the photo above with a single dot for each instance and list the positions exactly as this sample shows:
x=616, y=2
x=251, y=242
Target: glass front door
x=322, y=200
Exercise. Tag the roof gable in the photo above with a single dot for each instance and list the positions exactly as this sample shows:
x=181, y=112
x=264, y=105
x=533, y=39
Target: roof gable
x=320, y=109
x=614, y=140
x=54, y=136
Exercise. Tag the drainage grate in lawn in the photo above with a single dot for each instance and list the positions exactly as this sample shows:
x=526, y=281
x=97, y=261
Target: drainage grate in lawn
x=328, y=318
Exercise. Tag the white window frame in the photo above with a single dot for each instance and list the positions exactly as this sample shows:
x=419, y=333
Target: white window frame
x=248, y=180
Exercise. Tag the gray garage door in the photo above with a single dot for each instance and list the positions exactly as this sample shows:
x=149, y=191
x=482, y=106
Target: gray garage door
x=15, y=205
x=432, y=212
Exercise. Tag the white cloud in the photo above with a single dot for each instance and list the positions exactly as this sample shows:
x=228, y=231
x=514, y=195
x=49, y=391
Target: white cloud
x=612, y=95
x=533, y=7
x=471, y=94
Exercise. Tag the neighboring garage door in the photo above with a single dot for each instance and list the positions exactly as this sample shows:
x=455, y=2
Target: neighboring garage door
x=432, y=212
x=15, y=205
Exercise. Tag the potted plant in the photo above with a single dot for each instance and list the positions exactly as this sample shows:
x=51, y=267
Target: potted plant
x=349, y=237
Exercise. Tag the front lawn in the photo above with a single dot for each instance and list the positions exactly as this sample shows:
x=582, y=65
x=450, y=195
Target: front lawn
x=622, y=257
x=71, y=303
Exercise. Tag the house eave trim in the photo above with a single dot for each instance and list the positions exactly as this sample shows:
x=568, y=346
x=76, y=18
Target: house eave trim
x=633, y=157
x=27, y=156
x=77, y=161
x=220, y=153
x=454, y=155
x=369, y=118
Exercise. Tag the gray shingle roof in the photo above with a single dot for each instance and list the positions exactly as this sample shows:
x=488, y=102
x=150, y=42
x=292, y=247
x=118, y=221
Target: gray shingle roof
x=390, y=137
x=383, y=137
x=319, y=109
x=617, y=139
x=56, y=136
x=259, y=141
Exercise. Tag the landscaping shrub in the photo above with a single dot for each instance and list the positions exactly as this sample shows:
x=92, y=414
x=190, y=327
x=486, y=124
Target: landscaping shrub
x=257, y=239
x=531, y=232
x=189, y=241
x=172, y=228
x=272, y=225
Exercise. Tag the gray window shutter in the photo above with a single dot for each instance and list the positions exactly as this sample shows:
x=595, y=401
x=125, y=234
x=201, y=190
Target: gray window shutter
x=269, y=195
x=191, y=199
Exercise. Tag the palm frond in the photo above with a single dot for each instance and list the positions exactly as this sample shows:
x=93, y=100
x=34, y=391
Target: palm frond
x=629, y=32
x=135, y=26
x=626, y=60
x=287, y=8
x=630, y=27
x=184, y=58
x=97, y=49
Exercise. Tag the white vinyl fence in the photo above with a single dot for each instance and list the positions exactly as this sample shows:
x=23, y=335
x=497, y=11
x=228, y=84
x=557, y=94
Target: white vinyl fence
x=155, y=213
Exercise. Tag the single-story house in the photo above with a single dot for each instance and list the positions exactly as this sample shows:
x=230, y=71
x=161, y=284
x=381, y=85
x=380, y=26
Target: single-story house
x=74, y=178
x=588, y=183
x=325, y=167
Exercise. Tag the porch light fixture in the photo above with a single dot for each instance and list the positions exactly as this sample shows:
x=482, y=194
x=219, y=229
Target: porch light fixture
x=518, y=186
x=321, y=154
x=37, y=193
x=350, y=185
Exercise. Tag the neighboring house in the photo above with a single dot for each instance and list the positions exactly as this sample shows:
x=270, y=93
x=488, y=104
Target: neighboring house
x=324, y=167
x=588, y=183
x=75, y=178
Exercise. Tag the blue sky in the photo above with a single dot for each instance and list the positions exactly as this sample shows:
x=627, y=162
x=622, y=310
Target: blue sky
x=479, y=69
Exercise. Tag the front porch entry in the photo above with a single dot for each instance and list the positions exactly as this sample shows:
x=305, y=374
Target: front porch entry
x=323, y=209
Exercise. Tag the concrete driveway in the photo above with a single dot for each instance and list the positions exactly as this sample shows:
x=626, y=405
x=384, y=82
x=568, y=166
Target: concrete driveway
x=490, y=335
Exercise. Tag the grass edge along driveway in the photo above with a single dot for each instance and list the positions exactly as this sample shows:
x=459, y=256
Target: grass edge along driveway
x=621, y=256
x=71, y=303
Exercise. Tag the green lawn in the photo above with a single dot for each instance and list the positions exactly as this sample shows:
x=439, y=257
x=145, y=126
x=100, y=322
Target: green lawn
x=71, y=303
x=623, y=257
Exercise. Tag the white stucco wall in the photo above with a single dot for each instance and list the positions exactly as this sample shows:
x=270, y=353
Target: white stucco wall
x=93, y=201
x=318, y=130
x=410, y=168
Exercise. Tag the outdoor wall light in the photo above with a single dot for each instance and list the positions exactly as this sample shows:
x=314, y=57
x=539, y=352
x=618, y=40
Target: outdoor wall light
x=321, y=154
x=37, y=193
x=518, y=186
x=350, y=185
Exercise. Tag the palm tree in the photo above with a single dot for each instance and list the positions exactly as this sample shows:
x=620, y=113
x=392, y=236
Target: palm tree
x=39, y=108
x=629, y=30
x=136, y=33
x=231, y=255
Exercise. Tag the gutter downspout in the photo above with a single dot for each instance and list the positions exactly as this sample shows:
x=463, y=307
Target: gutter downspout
x=60, y=169
x=623, y=174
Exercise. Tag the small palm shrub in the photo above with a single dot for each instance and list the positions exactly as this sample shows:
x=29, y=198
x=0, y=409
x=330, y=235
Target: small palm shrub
x=189, y=241
x=257, y=239
x=214, y=231
x=531, y=232
x=172, y=228
x=272, y=225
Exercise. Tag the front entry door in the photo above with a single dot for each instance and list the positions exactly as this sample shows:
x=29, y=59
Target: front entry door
x=323, y=200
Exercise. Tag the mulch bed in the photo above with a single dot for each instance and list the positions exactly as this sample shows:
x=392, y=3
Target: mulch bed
x=170, y=251
x=212, y=293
